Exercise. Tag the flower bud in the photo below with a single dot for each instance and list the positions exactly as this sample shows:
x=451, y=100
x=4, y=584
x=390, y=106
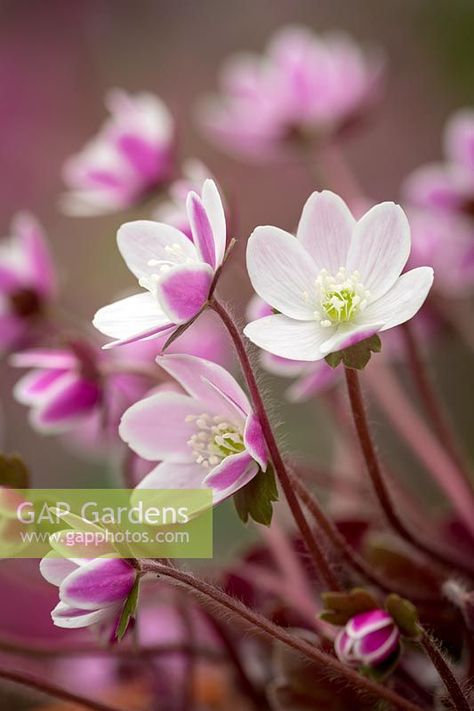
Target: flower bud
x=368, y=639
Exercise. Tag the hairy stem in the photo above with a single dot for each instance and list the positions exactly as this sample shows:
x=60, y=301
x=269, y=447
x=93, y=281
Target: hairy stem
x=322, y=565
x=216, y=597
x=376, y=477
x=453, y=688
x=46, y=687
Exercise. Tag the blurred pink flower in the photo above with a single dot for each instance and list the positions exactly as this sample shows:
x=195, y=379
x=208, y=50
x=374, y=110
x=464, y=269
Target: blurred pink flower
x=304, y=87
x=176, y=272
x=91, y=592
x=368, y=639
x=132, y=154
x=27, y=283
x=209, y=437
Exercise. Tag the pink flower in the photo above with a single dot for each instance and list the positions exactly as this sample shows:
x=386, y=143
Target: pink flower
x=368, y=639
x=132, y=154
x=208, y=437
x=338, y=282
x=311, y=378
x=305, y=85
x=176, y=272
x=91, y=592
x=448, y=187
x=63, y=387
x=173, y=210
x=27, y=282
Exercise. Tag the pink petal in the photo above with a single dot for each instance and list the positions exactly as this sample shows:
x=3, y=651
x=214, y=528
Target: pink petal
x=171, y=475
x=459, y=138
x=349, y=335
x=73, y=618
x=201, y=229
x=9, y=280
x=183, y=291
x=255, y=441
x=70, y=398
x=377, y=646
x=215, y=211
x=194, y=375
x=45, y=358
x=102, y=582
x=156, y=427
x=34, y=386
x=366, y=622
x=54, y=569
x=39, y=264
x=435, y=185
x=380, y=247
x=325, y=230
x=145, y=158
x=232, y=473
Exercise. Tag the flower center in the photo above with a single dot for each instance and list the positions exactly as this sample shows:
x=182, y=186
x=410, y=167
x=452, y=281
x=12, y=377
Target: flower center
x=339, y=298
x=26, y=303
x=174, y=256
x=214, y=440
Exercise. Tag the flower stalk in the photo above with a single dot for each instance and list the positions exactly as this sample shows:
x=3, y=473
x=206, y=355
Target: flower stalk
x=452, y=685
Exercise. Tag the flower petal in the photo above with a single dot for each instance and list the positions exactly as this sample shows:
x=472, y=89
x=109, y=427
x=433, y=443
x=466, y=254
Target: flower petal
x=171, y=475
x=49, y=358
x=376, y=647
x=100, y=583
x=131, y=317
x=196, y=376
x=380, y=247
x=403, y=300
x=184, y=290
x=35, y=385
x=72, y=618
x=255, y=441
x=201, y=229
x=349, y=335
x=143, y=241
x=232, y=474
x=156, y=427
x=39, y=264
x=70, y=398
x=459, y=138
x=212, y=202
x=285, y=337
x=54, y=569
x=325, y=230
x=282, y=272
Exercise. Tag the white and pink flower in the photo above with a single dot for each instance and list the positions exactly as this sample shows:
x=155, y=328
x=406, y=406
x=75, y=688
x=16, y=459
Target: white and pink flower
x=176, y=272
x=131, y=155
x=368, y=639
x=304, y=86
x=206, y=437
x=27, y=282
x=335, y=284
x=91, y=592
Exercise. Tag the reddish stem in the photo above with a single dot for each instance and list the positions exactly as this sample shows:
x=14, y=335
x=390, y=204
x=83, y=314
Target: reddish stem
x=206, y=593
x=319, y=557
x=451, y=683
x=376, y=477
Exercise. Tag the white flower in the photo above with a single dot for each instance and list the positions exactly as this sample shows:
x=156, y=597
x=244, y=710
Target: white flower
x=335, y=284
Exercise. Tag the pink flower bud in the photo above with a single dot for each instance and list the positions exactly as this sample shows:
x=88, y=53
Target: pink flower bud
x=367, y=639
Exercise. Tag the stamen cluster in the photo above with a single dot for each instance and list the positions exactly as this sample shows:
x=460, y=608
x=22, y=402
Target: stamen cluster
x=215, y=439
x=340, y=297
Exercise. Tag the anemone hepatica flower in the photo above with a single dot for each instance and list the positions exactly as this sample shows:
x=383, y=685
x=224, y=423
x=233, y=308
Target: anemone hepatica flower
x=176, y=272
x=132, y=154
x=335, y=284
x=91, y=592
x=27, y=282
x=448, y=187
x=368, y=639
x=208, y=437
x=304, y=86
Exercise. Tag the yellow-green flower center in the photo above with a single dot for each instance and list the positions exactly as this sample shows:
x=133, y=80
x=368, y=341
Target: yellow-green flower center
x=214, y=440
x=338, y=299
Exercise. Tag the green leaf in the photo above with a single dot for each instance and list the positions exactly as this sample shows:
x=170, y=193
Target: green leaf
x=405, y=615
x=128, y=610
x=356, y=356
x=340, y=606
x=13, y=472
x=255, y=499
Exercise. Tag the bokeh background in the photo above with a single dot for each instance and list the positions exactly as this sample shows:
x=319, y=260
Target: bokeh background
x=57, y=59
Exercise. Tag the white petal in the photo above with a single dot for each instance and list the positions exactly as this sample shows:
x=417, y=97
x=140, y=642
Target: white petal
x=349, y=334
x=282, y=272
x=130, y=316
x=325, y=230
x=403, y=300
x=380, y=247
x=288, y=338
x=145, y=240
x=215, y=211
